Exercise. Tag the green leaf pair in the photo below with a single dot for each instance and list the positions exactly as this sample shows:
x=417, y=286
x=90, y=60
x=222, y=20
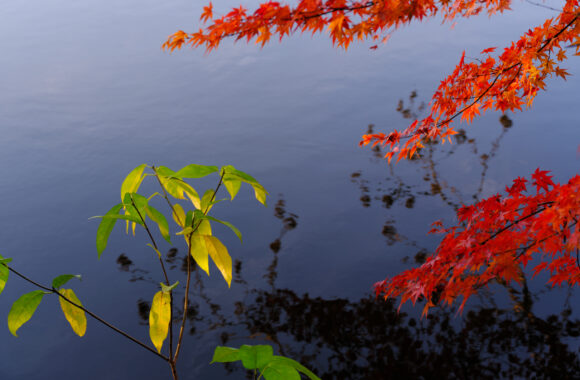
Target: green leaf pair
x=24, y=307
x=262, y=358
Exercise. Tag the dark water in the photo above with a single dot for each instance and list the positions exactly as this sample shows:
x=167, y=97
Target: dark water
x=88, y=95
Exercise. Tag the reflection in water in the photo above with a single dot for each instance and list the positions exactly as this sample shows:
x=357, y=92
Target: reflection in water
x=393, y=189
x=368, y=338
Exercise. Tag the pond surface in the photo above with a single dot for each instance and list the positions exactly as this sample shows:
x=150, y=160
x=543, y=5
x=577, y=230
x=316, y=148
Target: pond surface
x=88, y=95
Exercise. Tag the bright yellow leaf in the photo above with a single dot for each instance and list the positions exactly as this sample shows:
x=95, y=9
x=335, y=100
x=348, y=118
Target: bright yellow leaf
x=159, y=318
x=75, y=316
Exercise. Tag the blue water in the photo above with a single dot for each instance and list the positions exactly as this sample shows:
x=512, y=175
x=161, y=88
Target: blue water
x=88, y=94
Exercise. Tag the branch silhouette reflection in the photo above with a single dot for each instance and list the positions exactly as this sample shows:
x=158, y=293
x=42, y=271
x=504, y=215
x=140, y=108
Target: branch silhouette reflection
x=367, y=338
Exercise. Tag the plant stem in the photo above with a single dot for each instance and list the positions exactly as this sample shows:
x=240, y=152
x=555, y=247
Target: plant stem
x=99, y=319
x=186, y=298
x=164, y=274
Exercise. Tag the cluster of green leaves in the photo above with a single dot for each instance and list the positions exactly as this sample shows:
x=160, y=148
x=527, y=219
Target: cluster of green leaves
x=261, y=358
x=25, y=306
x=194, y=224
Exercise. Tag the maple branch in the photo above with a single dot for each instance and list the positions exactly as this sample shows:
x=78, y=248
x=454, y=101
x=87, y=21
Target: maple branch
x=510, y=225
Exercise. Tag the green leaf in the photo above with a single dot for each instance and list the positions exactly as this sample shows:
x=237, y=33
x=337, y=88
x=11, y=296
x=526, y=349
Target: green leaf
x=199, y=251
x=294, y=364
x=220, y=257
x=256, y=357
x=188, y=218
x=23, y=309
x=159, y=318
x=167, y=289
x=4, y=272
x=105, y=228
x=133, y=181
x=136, y=200
x=232, y=185
x=261, y=358
x=279, y=371
x=199, y=215
x=159, y=218
x=225, y=355
x=76, y=317
x=63, y=279
x=196, y=171
x=229, y=169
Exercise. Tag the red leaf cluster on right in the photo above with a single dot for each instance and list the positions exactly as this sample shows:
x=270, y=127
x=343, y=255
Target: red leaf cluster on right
x=494, y=240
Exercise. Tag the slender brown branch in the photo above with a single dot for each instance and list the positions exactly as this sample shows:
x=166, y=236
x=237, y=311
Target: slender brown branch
x=501, y=73
x=96, y=317
x=186, y=298
x=510, y=225
x=164, y=274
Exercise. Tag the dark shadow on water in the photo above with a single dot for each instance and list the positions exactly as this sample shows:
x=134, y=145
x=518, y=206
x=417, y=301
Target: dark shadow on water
x=368, y=338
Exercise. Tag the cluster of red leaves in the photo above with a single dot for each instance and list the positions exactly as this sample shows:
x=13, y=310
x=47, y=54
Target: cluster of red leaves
x=496, y=236
x=506, y=82
x=345, y=20
x=494, y=239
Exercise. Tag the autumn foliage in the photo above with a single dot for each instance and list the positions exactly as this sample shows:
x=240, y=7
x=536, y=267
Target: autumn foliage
x=497, y=237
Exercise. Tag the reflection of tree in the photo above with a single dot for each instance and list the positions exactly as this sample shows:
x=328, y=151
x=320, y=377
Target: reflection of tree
x=393, y=189
x=368, y=339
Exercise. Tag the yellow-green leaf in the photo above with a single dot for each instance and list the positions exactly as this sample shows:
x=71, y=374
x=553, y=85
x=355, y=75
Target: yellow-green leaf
x=260, y=193
x=132, y=181
x=75, y=316
x=159, y=318
x=220, y=256
x=178, y=215
x=206, y=201
x=232, y=184
x=23, y=309
x=191, y=193
x=3, y=273
x=159, y=218
x=105, y=228
x=196, y=171
x=199, y=252
x=204, y=228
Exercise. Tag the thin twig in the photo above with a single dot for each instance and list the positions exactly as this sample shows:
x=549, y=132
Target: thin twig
x=99, y=319
x=186, y=298
x=164, y=274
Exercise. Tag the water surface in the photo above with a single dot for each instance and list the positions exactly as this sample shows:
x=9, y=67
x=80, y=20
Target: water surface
x=88, y=94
